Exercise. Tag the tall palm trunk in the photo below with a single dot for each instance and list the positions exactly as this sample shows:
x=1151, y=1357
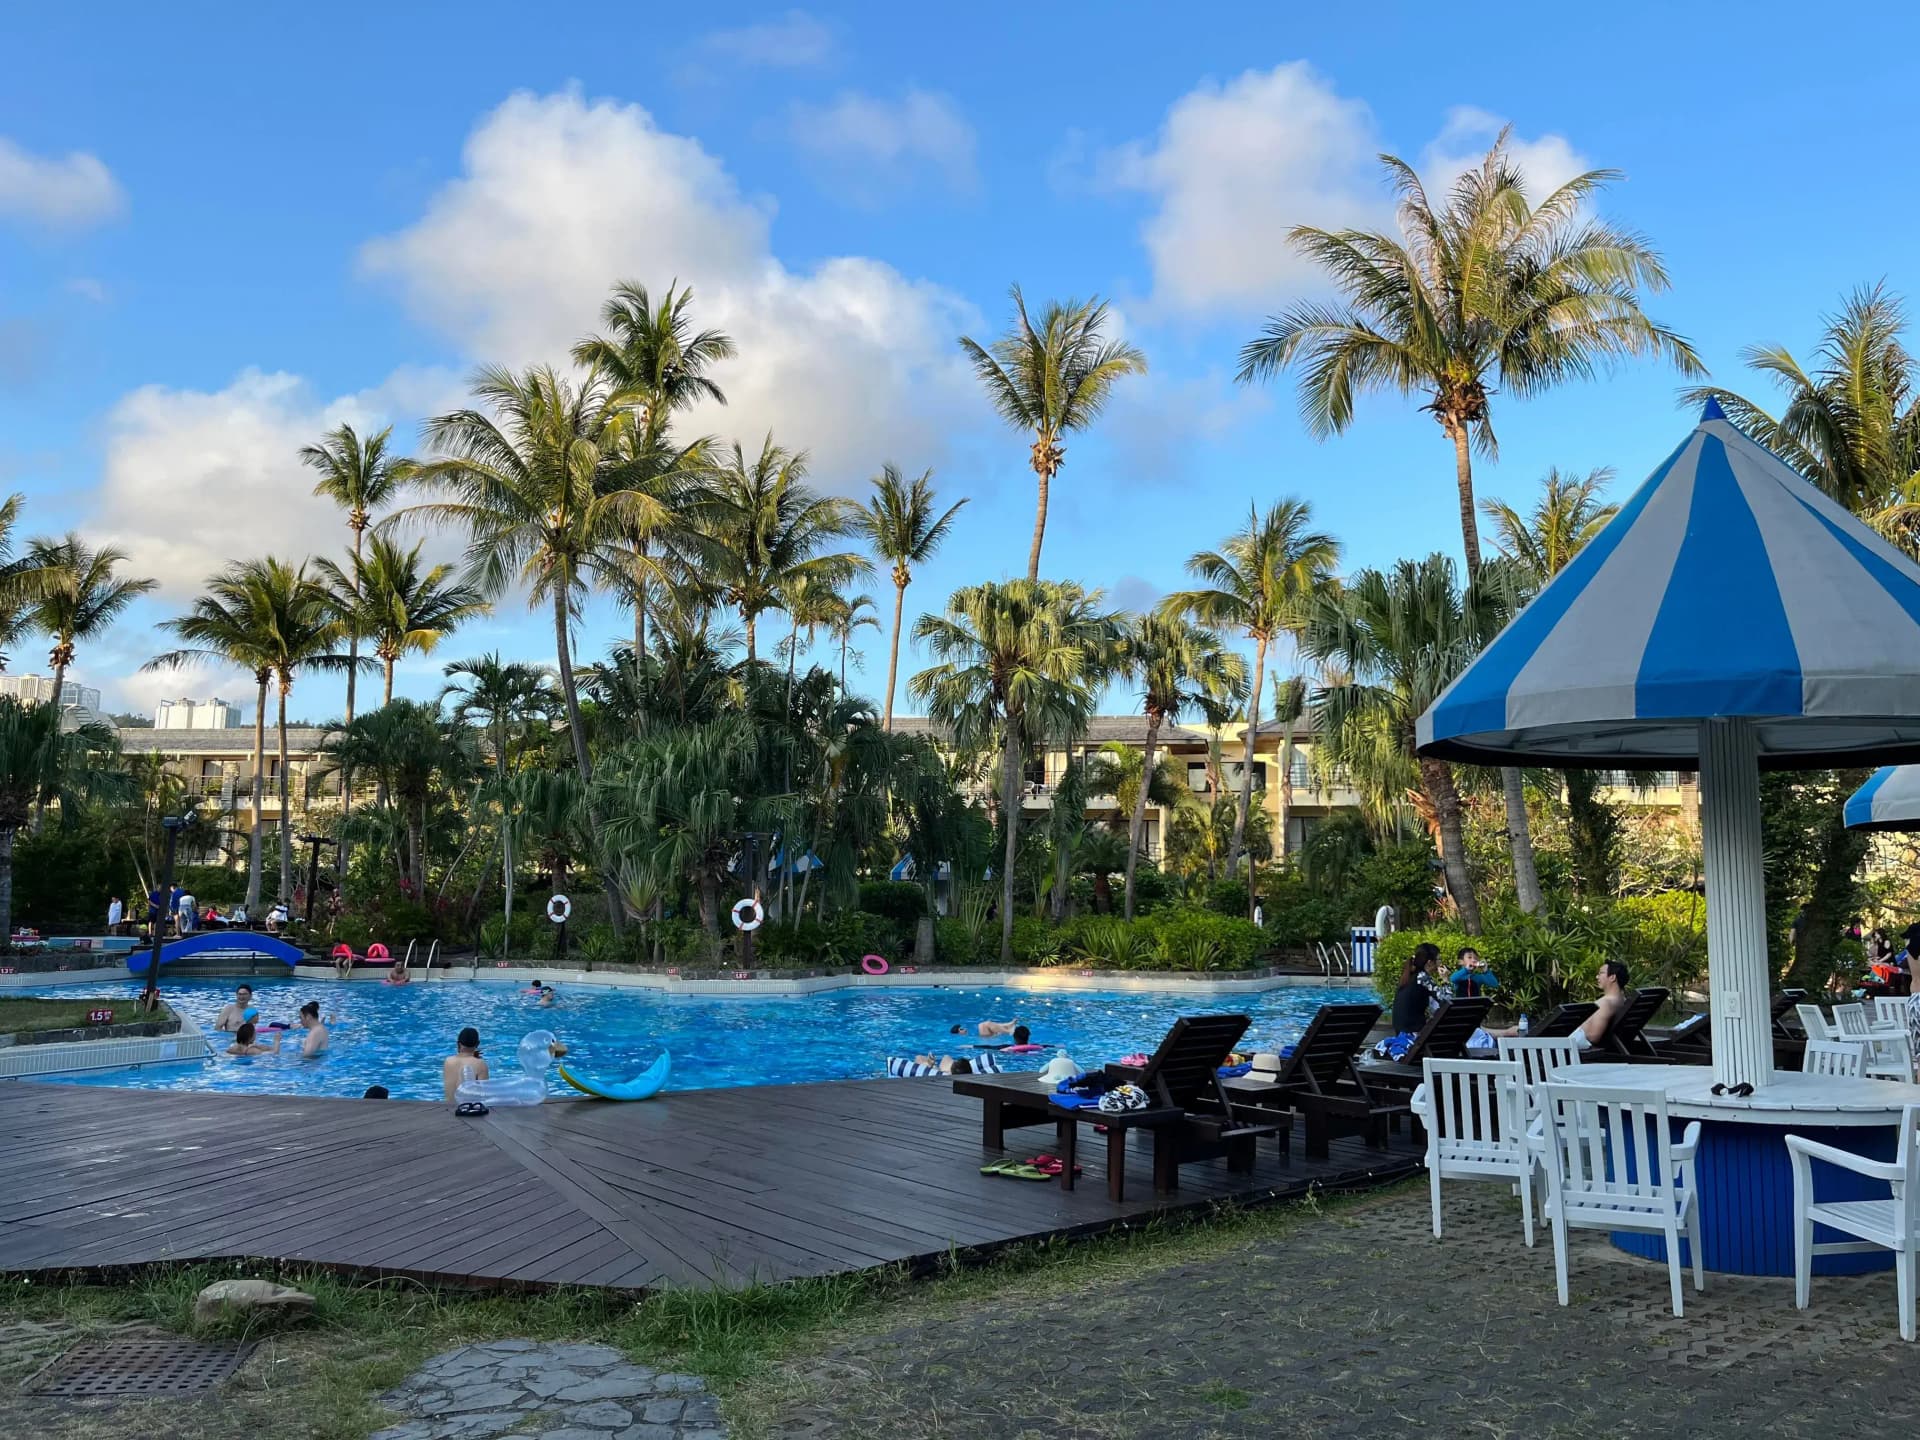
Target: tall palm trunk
x=1139, y=824
x=893, y=652
x=6, y=880
x=1246, y=765
x=386, y=695
x=1437, y=780
x=1286, y=791
x=1044, y=474
x=256, y=839
x=1526, y=876
x=40, y=800
x=1010, y=809
x=640, y=601
x=563, y=653
x=353, y=669
x=752, y=626
x=1463, y=478
x=286, y=820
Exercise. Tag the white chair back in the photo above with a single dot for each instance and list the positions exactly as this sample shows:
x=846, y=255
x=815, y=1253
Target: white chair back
x=1474, y=1113
x=1852, y=1020
x=1814, y=1023
x=1890, y=1012
x=1538, y=1059
x=1834, y=1057
x=1611, y=1150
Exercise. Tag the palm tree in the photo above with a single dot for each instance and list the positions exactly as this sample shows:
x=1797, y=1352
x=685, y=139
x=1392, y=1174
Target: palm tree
x=229, y=625
x=900, y=523
x=1260, y=582
x=360, y=476
x=504, y=697
x=810, y=605
x=38, y=761
x=1051, y=380
x=400, y=607
x=762, y=528
x=1400, y=637
x=407, y=746
x=20, y=580
x=1488, y=290
x=1567, y=515
x=658, y=365
x=854, y=613
x=1013, y=661
x=1851, y=424
x=1177, y=664
x=77, y=596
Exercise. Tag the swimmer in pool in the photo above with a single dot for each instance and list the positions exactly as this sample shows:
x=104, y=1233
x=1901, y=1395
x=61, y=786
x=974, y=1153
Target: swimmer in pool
x=245, y=1044
x=549, y=997
x=235, y=1015
x=992, y=1029
x=464, y=1064
x=317, y=1035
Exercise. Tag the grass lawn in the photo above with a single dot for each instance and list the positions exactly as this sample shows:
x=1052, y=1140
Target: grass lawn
x=325, y=1377
x=69, y=1012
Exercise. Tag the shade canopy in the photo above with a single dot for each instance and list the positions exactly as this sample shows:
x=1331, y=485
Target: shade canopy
x=1727, y=586
x=1890, y=800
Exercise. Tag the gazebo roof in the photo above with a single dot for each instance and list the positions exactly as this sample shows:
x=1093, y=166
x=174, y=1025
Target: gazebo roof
x=1890, y=800
x=1726, y=586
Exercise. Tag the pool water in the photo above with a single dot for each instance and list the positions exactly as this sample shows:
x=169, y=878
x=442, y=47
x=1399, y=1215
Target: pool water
x=398, y=1036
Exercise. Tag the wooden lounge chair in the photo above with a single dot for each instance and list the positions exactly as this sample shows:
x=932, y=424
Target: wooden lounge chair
x=1564, y=1021
x=1190, y=1113
x=1321, y=1081
x=1626, y=1038
x=1443, y=1037
x=1691, y=1041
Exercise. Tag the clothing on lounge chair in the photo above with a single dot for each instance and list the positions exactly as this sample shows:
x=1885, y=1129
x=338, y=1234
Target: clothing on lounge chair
x=1395, y=1047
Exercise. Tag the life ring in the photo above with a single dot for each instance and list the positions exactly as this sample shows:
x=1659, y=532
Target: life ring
x=747, y=914
x=559, y=907
x=874, y=964
x=377, y=951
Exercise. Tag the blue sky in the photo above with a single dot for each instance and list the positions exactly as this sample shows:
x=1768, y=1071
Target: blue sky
x=220, y=236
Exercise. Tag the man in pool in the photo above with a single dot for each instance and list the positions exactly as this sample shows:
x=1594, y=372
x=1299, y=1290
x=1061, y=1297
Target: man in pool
x=317, y=1035
x=235, y=1015
x=549, y=997
x=993, y=1030
x=464, y=1064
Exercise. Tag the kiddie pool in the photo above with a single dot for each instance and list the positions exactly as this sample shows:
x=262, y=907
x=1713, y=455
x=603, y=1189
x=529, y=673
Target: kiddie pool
x=398, y=1036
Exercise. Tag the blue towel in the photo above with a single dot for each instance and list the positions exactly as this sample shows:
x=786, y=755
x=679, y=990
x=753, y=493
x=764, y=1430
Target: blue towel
x=1227, y=1072
x=1069, y=1101
x=1286, y=1051
x=1395, y=1047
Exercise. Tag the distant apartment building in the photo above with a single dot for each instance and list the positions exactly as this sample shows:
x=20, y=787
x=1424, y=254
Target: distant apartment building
x=216, y=762
x=37, y=689
x=214, y=714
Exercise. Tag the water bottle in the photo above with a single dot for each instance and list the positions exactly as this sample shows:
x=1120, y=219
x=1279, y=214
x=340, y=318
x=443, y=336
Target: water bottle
x=1523, y=1025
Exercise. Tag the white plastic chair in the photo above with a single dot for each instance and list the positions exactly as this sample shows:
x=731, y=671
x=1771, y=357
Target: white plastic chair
x=1817, y=1026
x=1475, y=1118
x=1891, y=1224
x=1538, y=1060
x=1889, y=1056
x=1612, y=1165
x=1834, y=1057
x=1890, y=1012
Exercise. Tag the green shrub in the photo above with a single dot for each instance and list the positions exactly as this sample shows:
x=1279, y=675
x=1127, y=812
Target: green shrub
x=214, y=884
x=957, y=943
x=901, y=901
x=1109, y=942
x=1036, y=941
x=1227, y=897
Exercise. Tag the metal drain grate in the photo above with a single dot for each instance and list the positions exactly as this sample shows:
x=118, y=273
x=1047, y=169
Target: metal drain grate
x=133, y=1368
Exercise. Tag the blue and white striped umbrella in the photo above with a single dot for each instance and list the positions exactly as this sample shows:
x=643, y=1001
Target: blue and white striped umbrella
x=1890, y=800
x=1727, y=586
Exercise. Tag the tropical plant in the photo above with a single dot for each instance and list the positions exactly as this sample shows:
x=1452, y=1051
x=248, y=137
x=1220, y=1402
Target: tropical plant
x=403, y=607
x=900, y=523
x=1051, y=379
x=1261, y=582
x=1177, y=664
x=360, y=476
x=1013, y=661
x=407, y=746
x=38, y=763
x=504, y=698
x=853, y=613
x=20, y=580
x=760, y=528
x=1567, y=515
x=231, y=624
x=1401, y=636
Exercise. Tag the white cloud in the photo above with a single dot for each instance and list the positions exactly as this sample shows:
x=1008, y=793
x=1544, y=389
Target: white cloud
x=72, y=191
x=88, y=288
x=1463, y=141
x=1235, y=167
x=1156, y=422
x=561, y=197
x=194, y=479
x=794, y=41
x=869, y=147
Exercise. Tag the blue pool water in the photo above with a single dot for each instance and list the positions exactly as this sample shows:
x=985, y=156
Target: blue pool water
x=397, y=1037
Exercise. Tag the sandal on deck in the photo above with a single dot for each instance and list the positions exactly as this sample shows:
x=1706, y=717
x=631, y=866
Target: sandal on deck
x=1016, y=1170
x=1052, y=1165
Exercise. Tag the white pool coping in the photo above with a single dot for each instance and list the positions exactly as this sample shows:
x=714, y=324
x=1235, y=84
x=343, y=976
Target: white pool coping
x=126, y=1052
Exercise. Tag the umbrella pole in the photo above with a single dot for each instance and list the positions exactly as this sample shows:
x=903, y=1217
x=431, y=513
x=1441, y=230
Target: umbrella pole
x=1739, y=978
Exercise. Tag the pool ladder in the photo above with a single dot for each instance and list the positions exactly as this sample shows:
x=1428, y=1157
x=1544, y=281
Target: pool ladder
x=432, y=951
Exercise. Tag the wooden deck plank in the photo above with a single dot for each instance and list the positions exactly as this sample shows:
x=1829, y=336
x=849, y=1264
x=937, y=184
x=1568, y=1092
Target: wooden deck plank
x=693, y=1188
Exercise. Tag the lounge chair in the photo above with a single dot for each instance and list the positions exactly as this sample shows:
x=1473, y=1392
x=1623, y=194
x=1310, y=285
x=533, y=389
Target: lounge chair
x=1443, y=1037
x=1564, y=1021
x=1322, y=1082
x=1691, y=1041
x=1189, y=1112
x=1625, y=1038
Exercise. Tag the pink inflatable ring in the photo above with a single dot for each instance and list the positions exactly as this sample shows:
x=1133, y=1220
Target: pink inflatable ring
x=873, y=964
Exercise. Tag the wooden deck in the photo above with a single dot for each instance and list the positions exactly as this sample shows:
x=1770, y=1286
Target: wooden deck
x=706, y=1187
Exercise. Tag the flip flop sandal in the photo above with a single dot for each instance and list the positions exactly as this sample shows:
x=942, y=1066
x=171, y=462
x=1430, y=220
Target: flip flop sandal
x=1053, y=1165
x=1027, y=1172
x=998, y=1167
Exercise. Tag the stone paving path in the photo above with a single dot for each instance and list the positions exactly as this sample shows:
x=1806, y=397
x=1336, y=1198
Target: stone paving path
x=554, y=1392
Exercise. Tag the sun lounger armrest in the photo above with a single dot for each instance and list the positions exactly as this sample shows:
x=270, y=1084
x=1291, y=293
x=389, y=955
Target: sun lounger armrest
x=1802, y=1151
x=1418, y=1104
x=1689, y=1144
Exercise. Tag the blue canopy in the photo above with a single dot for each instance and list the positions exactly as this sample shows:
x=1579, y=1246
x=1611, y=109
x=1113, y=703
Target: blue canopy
x=1727, y=586
x=1890, y=800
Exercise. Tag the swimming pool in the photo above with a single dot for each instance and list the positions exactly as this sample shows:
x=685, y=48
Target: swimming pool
x=397, y=1037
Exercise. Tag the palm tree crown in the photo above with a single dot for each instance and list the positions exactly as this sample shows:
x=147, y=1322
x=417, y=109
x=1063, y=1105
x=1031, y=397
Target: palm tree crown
x=1567, y=515
x=653, y=355
x=901, y=523
x=401, y=606
x=1486, y=289
x=78, y=595
x=1050, y=379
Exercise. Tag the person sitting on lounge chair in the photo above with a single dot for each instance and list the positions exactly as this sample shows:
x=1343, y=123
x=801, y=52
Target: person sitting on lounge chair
x=1418, y=992
x=899, y=1066
x=1614, y=999
x=1472, y=977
